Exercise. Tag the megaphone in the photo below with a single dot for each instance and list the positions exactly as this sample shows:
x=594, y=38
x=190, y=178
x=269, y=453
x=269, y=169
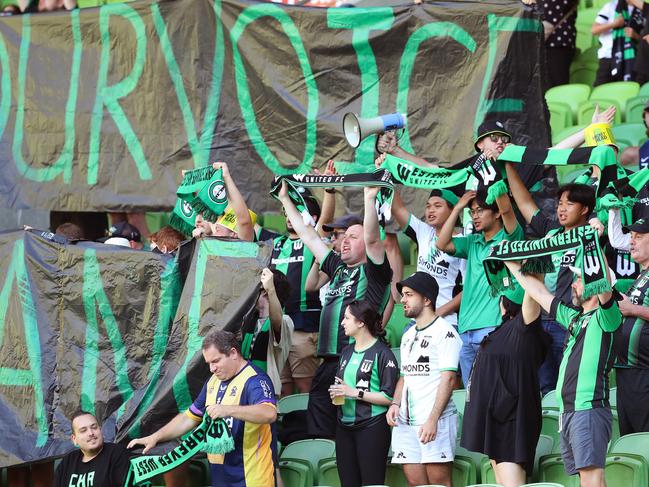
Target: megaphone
x=356, y=128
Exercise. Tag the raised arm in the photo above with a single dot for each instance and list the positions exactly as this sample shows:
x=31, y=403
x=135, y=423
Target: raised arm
x=245, y=227
x=328, y=202
x=444, y=239
x=575, y=140
x=275, y=313
x=531, y=309
x=315, y=279
x=399, y=211
x=374, y=246
x=533, y=287
x=388, y=144
x=507, y=213
x=175, y=428
x=307, y=233
x=521, y=195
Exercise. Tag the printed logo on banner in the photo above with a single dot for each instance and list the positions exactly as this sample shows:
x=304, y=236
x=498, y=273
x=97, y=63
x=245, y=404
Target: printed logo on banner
x=216, y=192
x=487, y=173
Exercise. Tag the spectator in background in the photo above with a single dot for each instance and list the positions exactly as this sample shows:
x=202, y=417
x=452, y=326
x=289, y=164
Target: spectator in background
x=365, y=381
x=479, y=311
x=559, y=18
x=70, y=231
x=166, y=240
x=126, y=231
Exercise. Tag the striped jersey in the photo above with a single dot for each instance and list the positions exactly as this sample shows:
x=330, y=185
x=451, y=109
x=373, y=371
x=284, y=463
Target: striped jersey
x=425, y=354
x=294, y=259
x=588, y=356
x=250, y=464
x=632, y=338
x=368, y=281
x=374, y=369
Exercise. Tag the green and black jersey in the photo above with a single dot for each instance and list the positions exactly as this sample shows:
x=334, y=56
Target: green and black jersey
x=254, y=342
x=293, y=259
x=588, y=356
x=368, y=281
x=632, y=338
x=374, y=369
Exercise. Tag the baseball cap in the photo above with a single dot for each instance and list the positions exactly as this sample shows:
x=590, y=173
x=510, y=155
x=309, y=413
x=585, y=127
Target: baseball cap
x=344, y=221
x=124, y=230
x=120, y=241
x=489, y=127
x=423, y=283
x=446, y=195
x=641, y=225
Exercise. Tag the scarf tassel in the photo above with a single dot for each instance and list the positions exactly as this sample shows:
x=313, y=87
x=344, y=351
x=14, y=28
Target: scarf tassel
x=218, y=446
x=497, y=189
x=181, y=225
x=538, y=265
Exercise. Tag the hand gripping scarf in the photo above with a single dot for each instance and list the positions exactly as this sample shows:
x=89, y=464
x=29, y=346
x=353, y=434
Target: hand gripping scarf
x=211, y=436
x=380, y=178
x=204, y=189
x=589, y=257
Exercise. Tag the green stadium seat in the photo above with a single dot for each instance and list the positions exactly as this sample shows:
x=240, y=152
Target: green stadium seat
x=476, y=458
x=485, y=485
x=294, y=402
x=612, y=397
x=550, y=427
x=487, y=473
x=549, y=401
x=583, y=73
x=544, y=447
x=156, y=220
x=551, y=470
x=631, y=134
x=635, y=108
x=626, y=470
x=397, y=353
x=598, y=4
x=311, y=451
x=635, y=443
x=396, y=324
x=560, y=116
x=459, y=398
x=571, y=94
x=404, y=247
x=542, y=484
x=295, y=474
x=275, y=222
x=328, y=473
x=584, y=23
x=410, y=269
x=587, y=108
x=464, y=473
x=612, y=378
x=619, y=91
x=413, y=254
x=394, y=476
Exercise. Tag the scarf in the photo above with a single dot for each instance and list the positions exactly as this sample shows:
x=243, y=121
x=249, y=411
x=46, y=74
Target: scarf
x=381, y=178
x=409, y=174
x=183, y=217
x=623, y=48
x=622, y=192
x=589, y=257
x=211, y=436
x=204, y=189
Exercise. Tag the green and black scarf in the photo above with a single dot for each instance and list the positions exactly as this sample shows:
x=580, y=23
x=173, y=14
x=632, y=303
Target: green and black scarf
x=211, y=436
x=183, y=217
x=204, y=189
x=589, y=257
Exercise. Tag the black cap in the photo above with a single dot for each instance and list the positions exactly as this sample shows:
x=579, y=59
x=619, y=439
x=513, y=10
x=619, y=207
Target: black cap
x=344, y=221
x=423, y=283
x=641, y=226
x=489, y=127
x=124, y=230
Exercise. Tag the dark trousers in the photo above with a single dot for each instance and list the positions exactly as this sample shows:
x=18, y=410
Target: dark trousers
x=549, y=371
x=321, y=413
x=632, y=400
x=558, y=61
x=361, y=453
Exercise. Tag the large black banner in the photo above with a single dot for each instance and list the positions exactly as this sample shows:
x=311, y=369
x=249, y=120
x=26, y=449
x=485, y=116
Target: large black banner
x=111, y=330
x=100, y=109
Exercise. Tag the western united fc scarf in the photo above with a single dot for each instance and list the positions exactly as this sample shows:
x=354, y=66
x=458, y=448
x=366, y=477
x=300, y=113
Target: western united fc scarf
x=622, y=191
x=211, y=436
x=204, y=189
x=589, y=257
x=183, y=217
x=380, y=178
x=623, y=47
x=415, y=176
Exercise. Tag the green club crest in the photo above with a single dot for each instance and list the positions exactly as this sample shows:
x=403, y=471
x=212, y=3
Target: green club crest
x=186, y=209
x=216, y=192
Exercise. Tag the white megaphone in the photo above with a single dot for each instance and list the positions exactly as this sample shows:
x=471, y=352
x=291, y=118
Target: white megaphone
x=356, y=128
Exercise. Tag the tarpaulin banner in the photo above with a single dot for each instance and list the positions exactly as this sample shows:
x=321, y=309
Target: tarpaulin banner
x=100, y=109
x=113, y=331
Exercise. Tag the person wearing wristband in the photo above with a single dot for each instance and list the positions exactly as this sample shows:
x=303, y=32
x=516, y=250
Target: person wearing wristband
x=366, y=378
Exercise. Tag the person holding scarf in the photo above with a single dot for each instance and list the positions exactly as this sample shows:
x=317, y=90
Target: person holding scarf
x=502, y=414
x=582, y=388
x=366, y=378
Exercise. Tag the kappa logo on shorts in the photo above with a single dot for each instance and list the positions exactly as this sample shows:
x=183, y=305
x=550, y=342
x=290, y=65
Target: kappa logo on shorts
x=449, y=334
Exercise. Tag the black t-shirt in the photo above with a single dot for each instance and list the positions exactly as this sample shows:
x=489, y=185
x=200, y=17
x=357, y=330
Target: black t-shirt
x=369, y=281
x=108, y=469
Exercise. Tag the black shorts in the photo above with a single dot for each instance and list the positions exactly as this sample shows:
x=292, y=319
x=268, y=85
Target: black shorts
x=321, y=413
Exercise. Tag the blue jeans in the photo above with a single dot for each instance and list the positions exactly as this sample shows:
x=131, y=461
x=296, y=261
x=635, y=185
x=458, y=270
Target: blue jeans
x=470, y=345
x=549, y=371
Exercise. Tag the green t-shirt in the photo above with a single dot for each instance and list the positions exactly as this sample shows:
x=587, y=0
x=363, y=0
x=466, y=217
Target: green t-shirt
x=588, y=356
x=478, y=308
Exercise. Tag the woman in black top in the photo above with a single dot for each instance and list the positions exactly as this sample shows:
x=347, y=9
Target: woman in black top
x=502, y=415
x=366, y=377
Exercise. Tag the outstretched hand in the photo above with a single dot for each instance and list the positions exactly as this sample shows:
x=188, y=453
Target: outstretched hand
x=148, y=442
x=607, y=116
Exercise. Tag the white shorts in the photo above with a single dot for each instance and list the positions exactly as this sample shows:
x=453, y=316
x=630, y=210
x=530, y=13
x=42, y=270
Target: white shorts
x=406, y=447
